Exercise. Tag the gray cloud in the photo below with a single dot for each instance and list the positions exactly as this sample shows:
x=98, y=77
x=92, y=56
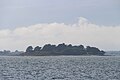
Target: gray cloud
x=82, y=32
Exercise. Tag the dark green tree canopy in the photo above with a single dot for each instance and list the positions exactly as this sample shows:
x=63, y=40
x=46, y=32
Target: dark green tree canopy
x=63, y=49
x=29, y=49
x=37, y=49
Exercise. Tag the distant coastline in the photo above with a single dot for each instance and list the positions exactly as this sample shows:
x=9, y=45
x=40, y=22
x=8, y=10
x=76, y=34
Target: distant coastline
x=60, y=50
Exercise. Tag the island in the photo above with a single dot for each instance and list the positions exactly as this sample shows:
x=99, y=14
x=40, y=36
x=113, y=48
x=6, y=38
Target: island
x=62, y=49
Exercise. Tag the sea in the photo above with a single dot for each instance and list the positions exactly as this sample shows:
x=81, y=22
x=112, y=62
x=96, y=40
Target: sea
x=59, y=67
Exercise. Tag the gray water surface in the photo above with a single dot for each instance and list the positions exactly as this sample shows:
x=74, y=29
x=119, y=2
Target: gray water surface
x=60, y=68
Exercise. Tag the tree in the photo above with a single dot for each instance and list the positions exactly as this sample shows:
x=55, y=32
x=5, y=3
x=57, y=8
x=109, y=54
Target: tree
x=48, y=47
x=37, y=49
x=81, y=47
x=61, y=47
x=94, y=51
x=69, y=46
x=29, y=49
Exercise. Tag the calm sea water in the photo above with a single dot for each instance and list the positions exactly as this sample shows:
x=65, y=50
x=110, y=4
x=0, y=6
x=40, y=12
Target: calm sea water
x=60, y=68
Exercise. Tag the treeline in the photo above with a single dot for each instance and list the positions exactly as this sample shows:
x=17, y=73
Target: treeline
x=63, y=49
x=10, y=53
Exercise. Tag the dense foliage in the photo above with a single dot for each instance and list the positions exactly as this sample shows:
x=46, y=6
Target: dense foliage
x=63, y=49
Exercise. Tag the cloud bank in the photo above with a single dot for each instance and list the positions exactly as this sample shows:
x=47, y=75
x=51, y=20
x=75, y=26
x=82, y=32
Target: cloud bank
x=83, y=32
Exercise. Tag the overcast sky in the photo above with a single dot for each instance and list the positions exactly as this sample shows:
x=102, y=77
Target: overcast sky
x=36, y=22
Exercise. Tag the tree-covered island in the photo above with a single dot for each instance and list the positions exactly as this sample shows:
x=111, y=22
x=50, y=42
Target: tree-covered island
x=62, y=49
